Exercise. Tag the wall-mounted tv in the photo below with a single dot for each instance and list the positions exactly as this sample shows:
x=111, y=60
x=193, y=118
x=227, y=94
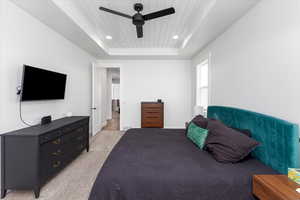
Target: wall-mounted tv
x=40, y=84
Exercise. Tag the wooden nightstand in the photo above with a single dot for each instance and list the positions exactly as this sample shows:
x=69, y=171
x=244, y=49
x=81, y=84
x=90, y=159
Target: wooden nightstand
x=275, y=187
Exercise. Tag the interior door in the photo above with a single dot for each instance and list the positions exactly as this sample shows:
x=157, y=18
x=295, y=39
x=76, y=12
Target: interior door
x=96, y=101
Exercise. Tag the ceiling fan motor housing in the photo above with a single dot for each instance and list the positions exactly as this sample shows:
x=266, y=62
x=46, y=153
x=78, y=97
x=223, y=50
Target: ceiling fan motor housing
x=138, y=19
x=138, y=7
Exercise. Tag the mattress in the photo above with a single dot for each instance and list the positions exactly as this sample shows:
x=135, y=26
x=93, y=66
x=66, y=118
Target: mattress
x=162, y=164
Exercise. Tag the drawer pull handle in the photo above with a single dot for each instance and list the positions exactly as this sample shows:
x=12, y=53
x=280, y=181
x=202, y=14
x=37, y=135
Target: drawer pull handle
x=57, y=153
x=56, y=164
x=57, y=141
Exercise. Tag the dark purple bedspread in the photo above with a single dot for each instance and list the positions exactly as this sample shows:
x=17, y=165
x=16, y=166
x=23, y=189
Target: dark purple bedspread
x=162, y=164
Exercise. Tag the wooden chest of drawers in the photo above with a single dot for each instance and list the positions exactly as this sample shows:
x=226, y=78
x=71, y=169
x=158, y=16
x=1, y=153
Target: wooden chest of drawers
x=152, y=115
x=274, y=187
x=32, y=156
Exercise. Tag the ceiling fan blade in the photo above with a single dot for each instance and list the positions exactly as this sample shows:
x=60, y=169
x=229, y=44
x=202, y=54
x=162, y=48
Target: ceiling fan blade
x=160, y=13
x=139, y=31
x=115, y=12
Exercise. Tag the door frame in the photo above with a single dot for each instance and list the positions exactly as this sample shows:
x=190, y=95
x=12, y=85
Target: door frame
x=104, y=64
x=95, y=128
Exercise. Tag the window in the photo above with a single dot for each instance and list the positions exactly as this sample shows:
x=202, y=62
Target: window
x=202, y=86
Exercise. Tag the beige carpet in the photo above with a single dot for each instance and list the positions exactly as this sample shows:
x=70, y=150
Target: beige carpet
x=76, y=180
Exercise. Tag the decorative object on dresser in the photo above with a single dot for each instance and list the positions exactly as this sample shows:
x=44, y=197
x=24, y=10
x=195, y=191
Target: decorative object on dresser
x=152, y=114
x=294, y=174
x=46, y=120
x=31, y=156
x=275, y=187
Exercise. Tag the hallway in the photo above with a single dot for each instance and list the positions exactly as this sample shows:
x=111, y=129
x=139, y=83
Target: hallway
x=114, y=123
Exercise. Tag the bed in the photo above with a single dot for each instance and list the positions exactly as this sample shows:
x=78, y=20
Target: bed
x=162, y=164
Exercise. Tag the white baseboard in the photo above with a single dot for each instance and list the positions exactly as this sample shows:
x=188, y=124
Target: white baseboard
x=174, y=127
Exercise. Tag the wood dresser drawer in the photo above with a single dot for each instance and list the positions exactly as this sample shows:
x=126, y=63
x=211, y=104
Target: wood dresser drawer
x=152, y=105
x=152, y=115
x=152, y=112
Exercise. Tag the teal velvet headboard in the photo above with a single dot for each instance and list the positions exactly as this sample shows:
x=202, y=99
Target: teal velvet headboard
x=279, y=139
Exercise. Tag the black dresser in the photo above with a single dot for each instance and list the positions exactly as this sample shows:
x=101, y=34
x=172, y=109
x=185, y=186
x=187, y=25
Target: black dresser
x=31, y=156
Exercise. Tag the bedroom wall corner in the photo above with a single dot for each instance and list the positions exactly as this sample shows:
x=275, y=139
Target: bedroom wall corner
x=255, y=63
x=28, y=41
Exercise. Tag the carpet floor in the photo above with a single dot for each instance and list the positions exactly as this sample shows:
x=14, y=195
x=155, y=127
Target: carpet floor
x=76, y=180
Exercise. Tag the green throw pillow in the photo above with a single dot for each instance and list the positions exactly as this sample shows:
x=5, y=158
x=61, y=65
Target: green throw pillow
x=197, y=135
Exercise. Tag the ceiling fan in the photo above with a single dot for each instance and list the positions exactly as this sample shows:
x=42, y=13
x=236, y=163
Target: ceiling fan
x=138, y=19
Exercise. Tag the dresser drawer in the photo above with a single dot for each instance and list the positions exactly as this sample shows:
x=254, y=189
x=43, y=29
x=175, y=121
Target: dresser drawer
x=50, y=136
x=152, y=113
x=53, y=160
x=151, y=117
x=50, y=168
x=76, y=134
x=73, y=152
x=152, y=125
x=152, y=110
x=152, y=105
x=52, y=152
x=50, y=146
x=74, y=126
x=153, y=122
x=70, y=128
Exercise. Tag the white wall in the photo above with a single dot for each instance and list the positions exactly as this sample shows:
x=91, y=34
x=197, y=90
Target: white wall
x=27, y=41
x=1, y=59
x=256, y=63
x=149, y=80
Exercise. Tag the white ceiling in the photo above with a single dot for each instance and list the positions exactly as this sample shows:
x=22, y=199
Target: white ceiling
x=157, y=33
x=196, y=22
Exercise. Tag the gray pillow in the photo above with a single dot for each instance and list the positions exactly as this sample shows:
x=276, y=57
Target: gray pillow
x=244, y=131
x=227, y=145
x=200, y=121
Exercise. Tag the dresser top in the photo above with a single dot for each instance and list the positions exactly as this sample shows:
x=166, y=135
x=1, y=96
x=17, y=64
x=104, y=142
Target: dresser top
x=151, y=102
x=275, y=187
x=41, y=129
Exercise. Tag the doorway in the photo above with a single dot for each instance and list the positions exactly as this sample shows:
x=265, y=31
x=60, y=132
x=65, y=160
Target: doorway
x=105, y=99
x=113, y=124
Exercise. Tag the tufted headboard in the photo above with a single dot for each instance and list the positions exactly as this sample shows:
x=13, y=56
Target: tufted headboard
x=279, y=139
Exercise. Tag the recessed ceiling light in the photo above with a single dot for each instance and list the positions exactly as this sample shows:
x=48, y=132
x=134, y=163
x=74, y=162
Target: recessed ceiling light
x=175, y=37
x=108, y=37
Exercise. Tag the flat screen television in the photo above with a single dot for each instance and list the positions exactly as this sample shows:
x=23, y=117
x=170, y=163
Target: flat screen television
x=40, y=84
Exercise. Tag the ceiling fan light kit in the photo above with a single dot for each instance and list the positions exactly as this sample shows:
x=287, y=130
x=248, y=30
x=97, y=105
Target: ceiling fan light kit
x=138, y=19
x=108, y=37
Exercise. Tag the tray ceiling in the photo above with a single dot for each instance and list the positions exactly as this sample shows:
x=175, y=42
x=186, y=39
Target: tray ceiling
x=196, y=22
x=158, y=33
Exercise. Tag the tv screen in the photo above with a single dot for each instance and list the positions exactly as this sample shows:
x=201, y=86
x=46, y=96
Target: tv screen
x=40, y=84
